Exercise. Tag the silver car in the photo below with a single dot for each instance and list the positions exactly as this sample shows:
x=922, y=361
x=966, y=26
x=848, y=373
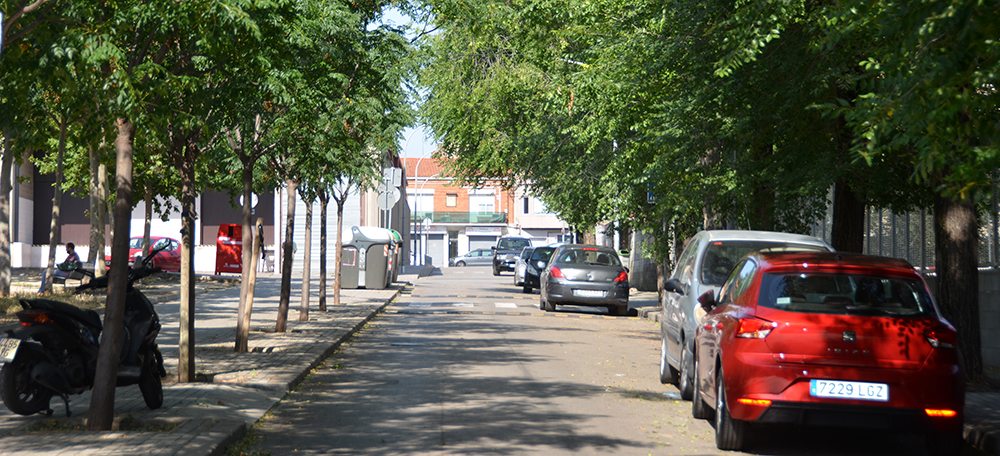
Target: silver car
x=522, y=265
x=584, y=275
x=702, y=267
x=478, y=256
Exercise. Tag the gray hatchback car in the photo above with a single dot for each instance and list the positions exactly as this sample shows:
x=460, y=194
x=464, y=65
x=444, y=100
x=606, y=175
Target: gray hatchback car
x=584, y=275
x=702, y=267
x=475, y=257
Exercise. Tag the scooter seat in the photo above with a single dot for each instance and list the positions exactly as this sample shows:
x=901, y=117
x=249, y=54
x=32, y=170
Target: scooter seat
x=87, y=316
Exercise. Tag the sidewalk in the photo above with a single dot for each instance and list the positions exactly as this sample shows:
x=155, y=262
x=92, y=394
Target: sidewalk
x=238, y=389
x=982, y=409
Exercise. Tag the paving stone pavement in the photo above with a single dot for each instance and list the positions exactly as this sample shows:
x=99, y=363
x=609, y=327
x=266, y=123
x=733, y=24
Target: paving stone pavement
x=237, y=390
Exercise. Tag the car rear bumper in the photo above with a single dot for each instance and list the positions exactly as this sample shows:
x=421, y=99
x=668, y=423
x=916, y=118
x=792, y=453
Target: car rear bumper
x=857, y=417
x=787, y=385
x=568, y=293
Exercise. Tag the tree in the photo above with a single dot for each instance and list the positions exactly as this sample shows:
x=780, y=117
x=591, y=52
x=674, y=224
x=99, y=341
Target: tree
x=930, y=101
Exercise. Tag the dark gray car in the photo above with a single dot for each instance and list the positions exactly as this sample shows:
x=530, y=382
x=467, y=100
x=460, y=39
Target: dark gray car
x=585, y=275
x=702, y=267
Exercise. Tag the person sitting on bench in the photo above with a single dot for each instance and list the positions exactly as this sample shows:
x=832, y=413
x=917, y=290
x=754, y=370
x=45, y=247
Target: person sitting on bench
x=65, y=268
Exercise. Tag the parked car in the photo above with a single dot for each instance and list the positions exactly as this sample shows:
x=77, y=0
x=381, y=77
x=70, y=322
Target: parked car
x=535, y=265
x=506, y=251
x=522, y=263
x=830, y=339
x=478, y=256
x=703, y=266
x=584, y=275
x=169, y=259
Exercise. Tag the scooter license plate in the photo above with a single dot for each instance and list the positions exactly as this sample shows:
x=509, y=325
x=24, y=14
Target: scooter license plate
x=8, y=348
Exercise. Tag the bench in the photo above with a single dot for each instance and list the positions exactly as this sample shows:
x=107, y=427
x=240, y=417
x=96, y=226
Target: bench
x=77, y=272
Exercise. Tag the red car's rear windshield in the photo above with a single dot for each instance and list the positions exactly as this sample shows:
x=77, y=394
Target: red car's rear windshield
x=845, y=294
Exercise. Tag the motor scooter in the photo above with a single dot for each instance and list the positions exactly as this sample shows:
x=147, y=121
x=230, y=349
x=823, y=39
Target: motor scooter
x=54, y=351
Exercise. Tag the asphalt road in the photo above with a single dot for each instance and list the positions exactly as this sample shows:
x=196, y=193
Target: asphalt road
x=466, y=364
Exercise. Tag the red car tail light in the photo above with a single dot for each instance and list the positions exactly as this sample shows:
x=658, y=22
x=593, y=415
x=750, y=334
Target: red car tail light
x=557, y=273
x=941, y=337
x=28, y=317
x=754, y=328
x=942, y=413
x=622, y=277
x=757, y=402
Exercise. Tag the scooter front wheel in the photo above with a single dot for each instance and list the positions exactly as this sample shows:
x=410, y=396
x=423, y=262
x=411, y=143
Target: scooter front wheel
x=19, y=392
x=150, y=384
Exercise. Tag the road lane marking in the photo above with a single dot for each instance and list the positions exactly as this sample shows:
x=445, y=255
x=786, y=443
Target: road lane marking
x=506, y=305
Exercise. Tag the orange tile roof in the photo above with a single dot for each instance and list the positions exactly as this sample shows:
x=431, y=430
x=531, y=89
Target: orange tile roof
x=429, y=167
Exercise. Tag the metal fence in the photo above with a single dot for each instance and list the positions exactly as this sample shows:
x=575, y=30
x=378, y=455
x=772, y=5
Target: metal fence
x=910, y=236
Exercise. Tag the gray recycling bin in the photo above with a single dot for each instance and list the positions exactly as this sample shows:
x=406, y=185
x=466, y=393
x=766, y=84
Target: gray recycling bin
x=371, y=265
x=349, y=267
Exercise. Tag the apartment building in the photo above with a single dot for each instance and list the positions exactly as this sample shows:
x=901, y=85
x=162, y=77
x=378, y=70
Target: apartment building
x=449, y=219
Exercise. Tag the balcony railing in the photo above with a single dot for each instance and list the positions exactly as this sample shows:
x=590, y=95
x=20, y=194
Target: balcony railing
x=459, y=217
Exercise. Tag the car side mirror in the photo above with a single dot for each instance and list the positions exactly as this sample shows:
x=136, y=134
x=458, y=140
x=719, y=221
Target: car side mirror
x=707, y=301
x=674, y=286
x=493, y=247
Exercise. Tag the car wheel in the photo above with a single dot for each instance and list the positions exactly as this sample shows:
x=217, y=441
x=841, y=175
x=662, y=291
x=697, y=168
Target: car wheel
x=618, y=311
x=684, y=379
x=667, y=373
x=699, y=409
x=729, y=433
x=544, y=304
x=460, y=264
x=496, y=271
x=945, y=443
x=526, y=289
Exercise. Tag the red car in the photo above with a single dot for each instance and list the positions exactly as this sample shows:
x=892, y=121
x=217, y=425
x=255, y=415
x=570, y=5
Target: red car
x=168, y=260
x=827, y=339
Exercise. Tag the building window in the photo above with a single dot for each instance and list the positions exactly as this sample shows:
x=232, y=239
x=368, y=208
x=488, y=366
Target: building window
x=526, y=201
x=451, y=200
x=481, y=202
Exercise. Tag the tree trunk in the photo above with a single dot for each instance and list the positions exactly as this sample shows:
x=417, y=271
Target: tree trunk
x=324, y=199
x=55, y=236
x=6, y=169
x=306, y=262
x=957, y=249
x=102, y=216
x=185, y=162
x=286, y=258
x=848, y=231
x=102, y=400
x=147, y=221
x=95, y=160
x=249, y=255
x=339, y=249
x=258, y=246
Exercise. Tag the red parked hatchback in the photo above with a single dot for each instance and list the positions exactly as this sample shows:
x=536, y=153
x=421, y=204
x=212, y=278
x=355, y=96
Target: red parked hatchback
x=827, y=339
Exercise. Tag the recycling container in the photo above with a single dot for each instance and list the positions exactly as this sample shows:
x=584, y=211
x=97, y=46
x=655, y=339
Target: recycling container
x=373, y=259
x=229, y=249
